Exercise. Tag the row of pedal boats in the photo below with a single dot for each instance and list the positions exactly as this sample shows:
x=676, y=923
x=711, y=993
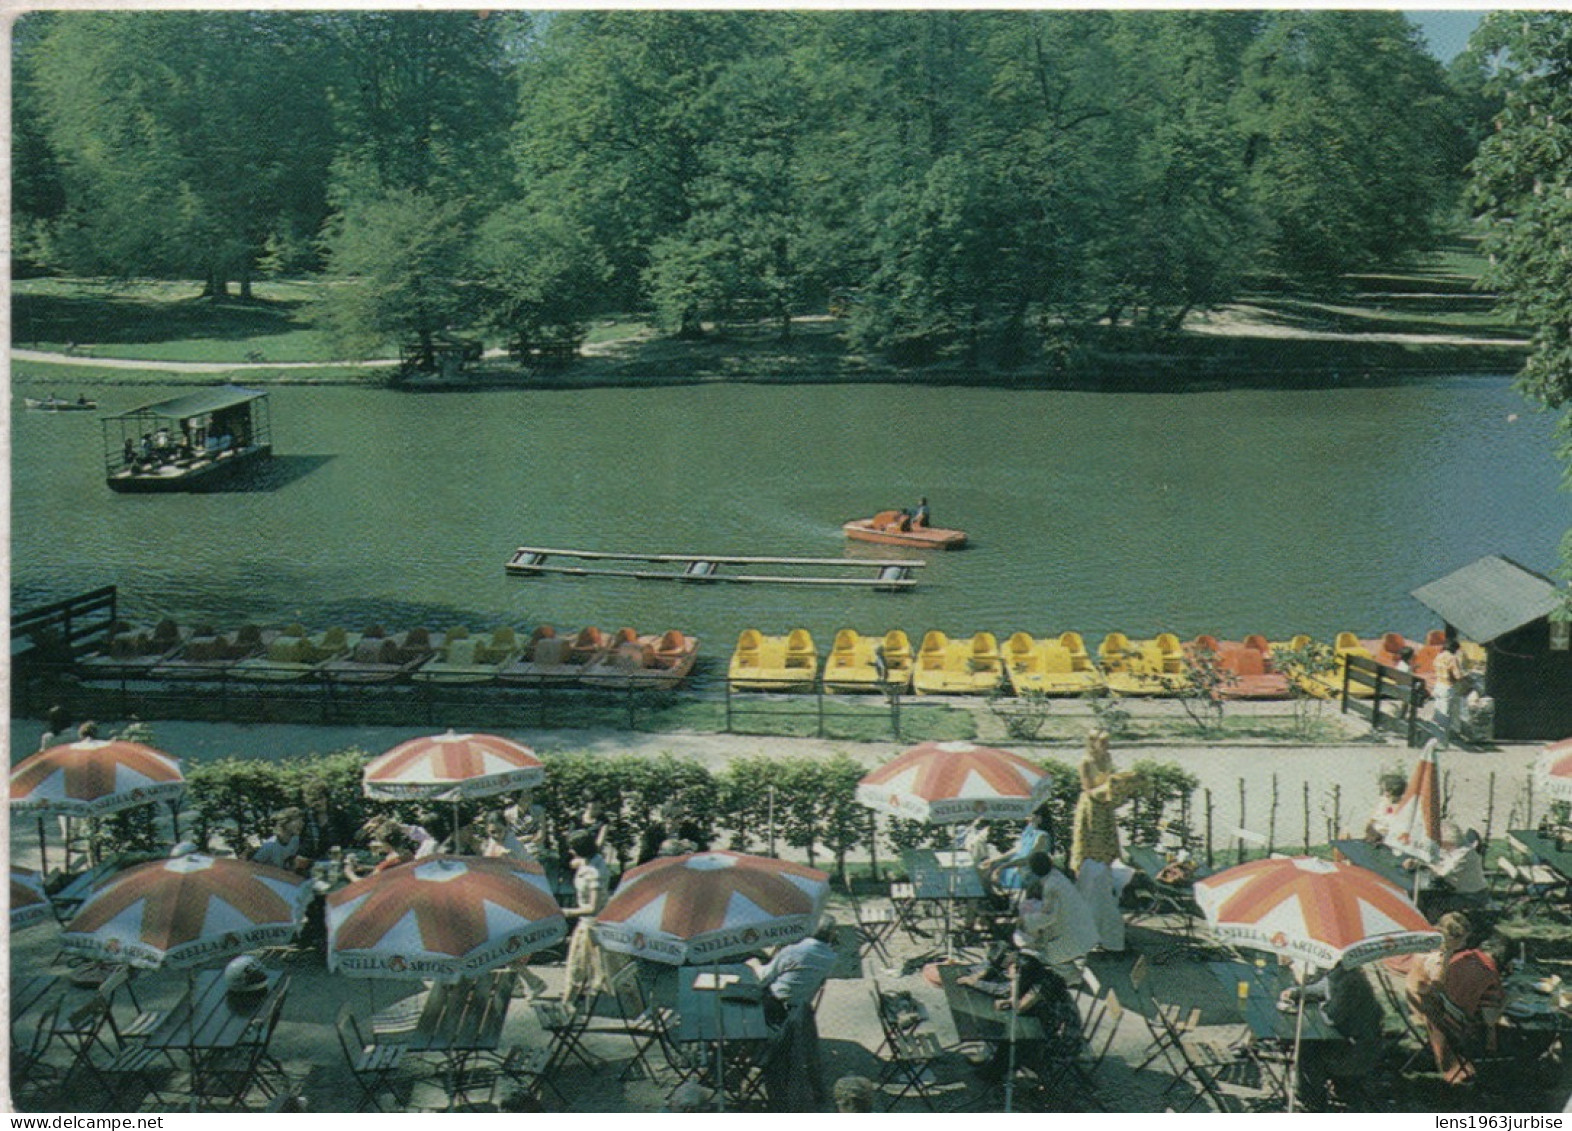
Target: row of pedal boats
x=1061, y=665
x=587, y=657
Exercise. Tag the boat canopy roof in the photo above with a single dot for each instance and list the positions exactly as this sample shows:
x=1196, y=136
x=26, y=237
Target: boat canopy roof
x=199, y=403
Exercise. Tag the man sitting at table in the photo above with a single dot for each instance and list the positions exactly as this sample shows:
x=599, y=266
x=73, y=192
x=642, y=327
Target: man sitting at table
x=795, y=974
x=1339, y=1067
x=282, y=849
x=1455, y=880
x=1056, y=923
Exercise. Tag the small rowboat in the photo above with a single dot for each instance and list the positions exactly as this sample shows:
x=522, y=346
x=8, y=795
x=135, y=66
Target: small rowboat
x=894, y=529
x=59, y=404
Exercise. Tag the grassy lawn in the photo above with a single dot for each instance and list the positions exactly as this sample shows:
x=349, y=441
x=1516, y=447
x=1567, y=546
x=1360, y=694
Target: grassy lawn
x=163, y=321
x=62, y=375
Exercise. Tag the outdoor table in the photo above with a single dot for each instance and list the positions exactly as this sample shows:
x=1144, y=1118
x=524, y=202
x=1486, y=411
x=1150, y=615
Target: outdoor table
x=974, y=1014
x=212, y=1018
x=465, y=1016
x=1272, y=1028
x=1376, y=858
x=1545, y=849
x=1533, y=1019
x=937, y=878
x=976, y=1018
x=721, y=1010
x=461, y=1021
x=209, y=1021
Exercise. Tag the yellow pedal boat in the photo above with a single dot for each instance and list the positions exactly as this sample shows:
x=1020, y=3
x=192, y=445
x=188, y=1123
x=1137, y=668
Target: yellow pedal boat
x=958, y=667
x=1142, y=667
x=774, y=663
x=868, y=663
x=1055, y=665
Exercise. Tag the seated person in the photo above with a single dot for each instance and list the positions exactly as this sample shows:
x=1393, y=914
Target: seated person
x=1330, y=1067
x=1040, y=994
x=1393, y=786
x=1455, y=881
x=323, y=828
x=1466, y=1010
x=793, y=976
x=1056, y=923
x=1005, y=874
x=391, y=843
x=920, y=515
x=501, y=841
x=282, y=849
x=526, y=819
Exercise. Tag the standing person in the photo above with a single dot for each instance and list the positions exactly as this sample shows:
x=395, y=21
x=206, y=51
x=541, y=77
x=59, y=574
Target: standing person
x=526, y=819
x=590, y=890
x=796, y=972
x=1095, y=846
x=1448, y=671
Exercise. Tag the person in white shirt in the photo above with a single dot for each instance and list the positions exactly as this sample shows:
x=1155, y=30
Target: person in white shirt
x=1056, y=922
x=794, y=975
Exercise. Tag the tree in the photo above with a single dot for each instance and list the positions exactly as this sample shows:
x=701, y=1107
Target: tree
x=539, y=274
x=1522, y=188
x=424, y=100
x=405, y=257
x=1346, y=126
x=186, y=141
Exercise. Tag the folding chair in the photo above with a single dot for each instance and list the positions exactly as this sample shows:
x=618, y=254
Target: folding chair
x=643, y=1022
x=566, y=1026
x=134, y=1075
x=88, y=1027
x=371, y=1064
x=874, y=925
x=525, y=1068
x=1199, y=1065
x=912, y=1052
x=32, y=1079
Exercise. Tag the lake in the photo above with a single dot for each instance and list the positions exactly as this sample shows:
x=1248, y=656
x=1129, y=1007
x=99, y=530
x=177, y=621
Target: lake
x=1249, y=510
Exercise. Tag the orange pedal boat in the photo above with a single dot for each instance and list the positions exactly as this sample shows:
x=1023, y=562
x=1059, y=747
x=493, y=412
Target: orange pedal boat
x=894, y=528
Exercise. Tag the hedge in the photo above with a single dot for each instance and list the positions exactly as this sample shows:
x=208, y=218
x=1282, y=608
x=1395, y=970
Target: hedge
x=757, y=803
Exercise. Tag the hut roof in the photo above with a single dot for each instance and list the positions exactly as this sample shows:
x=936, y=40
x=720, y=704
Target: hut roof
x=1490, y=597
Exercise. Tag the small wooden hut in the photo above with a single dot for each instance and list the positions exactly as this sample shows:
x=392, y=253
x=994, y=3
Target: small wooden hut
x=1507, y=608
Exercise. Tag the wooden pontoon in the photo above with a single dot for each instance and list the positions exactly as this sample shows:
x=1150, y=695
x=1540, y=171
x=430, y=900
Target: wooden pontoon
x=528, y=561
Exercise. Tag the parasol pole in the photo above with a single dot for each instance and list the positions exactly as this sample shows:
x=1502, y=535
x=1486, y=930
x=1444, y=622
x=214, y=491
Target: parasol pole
x=1015, y=1006
x=43, y=847
x=1299, y=1029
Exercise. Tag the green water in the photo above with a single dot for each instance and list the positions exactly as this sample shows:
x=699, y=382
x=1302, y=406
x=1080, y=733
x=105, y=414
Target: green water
x=1223, y=512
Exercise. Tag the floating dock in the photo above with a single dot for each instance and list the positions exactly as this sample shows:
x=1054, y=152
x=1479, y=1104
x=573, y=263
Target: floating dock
x=889, y=574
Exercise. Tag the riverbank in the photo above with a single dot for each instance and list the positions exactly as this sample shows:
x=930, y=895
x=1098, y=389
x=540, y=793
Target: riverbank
x=1386, y=329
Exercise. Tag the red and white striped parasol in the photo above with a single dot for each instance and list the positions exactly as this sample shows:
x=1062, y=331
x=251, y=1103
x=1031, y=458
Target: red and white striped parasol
x=947, y=782
x=94, y=777
x=189, y=911
x=1553, y=770
x=29, y=904
x=707, y=906
x=442, y=918
x=453, y=767
x=1415, y=825
x=1317, y=911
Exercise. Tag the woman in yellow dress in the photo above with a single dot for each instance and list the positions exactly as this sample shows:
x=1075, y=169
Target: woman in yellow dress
x=1095, y=845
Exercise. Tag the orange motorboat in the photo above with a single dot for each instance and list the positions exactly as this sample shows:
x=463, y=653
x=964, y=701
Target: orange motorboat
x=895, y=528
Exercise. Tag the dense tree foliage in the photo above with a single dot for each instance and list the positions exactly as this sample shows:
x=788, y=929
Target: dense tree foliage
x=977, y=184
x=1523, y=189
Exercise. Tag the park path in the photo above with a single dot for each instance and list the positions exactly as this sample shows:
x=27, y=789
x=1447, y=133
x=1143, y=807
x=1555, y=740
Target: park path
x=187, y=366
